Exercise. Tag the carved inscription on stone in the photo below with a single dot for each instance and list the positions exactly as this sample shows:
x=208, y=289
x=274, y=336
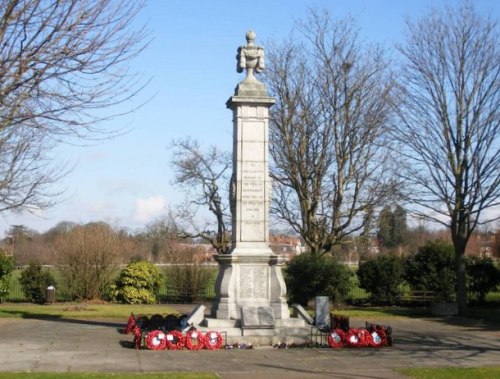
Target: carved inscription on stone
x=257, y=318
x=255, y=279
x=253, y=198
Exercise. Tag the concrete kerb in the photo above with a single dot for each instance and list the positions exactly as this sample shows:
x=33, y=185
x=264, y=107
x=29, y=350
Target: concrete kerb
x=30, y=345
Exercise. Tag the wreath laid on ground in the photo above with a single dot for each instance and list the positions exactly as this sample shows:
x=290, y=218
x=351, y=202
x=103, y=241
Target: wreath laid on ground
x=358, y=338
x=175, y=340
x=137, y=337
x=130, y=324
x=336, y=338
x=373, y=335
x=156, y=340
x=213, y=340
x=195, y=340
x=383, y=331
x=379, y=338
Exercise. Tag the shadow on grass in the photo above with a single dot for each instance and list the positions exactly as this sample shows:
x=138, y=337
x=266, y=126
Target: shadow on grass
x=477, y=318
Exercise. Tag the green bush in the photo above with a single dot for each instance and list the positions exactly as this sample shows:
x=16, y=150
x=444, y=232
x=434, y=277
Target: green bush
x=482, y=277
x=433, y=269
x=382, y=277
x=138, y=283
x=34, y=281
x=6, y=266
x=311, y=275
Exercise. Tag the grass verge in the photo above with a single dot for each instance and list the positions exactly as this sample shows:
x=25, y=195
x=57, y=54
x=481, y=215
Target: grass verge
x=82, y=311
x=380, y=312
x=83, y=375
x=452, y=373
x=122, y=311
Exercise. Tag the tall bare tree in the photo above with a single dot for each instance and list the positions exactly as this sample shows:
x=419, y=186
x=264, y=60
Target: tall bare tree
x=449, y=122
x=60, y=63
x=205, y=178
x=163, y=235
x=327, y=130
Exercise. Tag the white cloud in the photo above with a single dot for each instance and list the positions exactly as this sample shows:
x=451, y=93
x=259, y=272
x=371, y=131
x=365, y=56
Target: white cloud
x=148, y=208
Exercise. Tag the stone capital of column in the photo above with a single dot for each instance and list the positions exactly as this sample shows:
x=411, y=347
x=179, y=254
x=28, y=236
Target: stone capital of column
x=234, y=101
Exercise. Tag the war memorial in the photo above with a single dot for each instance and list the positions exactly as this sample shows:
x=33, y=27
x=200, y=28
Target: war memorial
x=251, y=294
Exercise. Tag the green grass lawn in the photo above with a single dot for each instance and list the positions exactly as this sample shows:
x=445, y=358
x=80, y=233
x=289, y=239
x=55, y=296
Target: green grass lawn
x=87, y=311
x=380, y=312
x=81, y=310
x=122, y=311
x=452, y=373
x=50, y=375
x=416, y=373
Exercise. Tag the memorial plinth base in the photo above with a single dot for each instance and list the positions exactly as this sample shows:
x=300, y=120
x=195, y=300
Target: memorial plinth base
x=289, y=331
x=249, y=279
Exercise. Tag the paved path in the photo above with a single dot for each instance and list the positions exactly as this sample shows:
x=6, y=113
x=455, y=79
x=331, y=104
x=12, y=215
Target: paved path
x=30, y=345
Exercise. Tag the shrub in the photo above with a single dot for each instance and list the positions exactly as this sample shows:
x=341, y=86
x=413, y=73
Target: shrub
x=433, y=269
x=138, y=283
x=34, y=281
x=382, y=277
x=6, y=266
x=310, y=275
x=482, y=277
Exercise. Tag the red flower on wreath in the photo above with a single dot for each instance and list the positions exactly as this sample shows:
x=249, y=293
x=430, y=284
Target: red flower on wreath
x=137, y=337
x=336, y=338
x=358, y=338
x=156, y=340
x=175, y=340
x=379, y=338
x=130, y=324
x=213, y=340
x=194, y=340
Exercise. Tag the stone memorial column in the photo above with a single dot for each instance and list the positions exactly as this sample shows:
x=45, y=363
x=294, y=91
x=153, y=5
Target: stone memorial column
x=250, y=276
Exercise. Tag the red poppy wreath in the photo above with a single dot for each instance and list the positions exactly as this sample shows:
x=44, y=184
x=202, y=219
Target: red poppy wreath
x=213, y=340
x=156, y=340
x=175, y=340
x=379, y=338
x=336, y=338
x=194, y=340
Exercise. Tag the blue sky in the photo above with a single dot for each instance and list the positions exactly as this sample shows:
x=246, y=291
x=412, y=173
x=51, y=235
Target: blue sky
x=127, y=181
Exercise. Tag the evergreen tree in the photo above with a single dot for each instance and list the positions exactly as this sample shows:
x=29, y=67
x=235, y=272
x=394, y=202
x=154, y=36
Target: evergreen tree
x=385, y=227
x=399, y=227
x=392, y=226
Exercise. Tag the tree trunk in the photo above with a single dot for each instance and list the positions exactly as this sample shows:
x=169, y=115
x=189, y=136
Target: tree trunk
x=461, y=288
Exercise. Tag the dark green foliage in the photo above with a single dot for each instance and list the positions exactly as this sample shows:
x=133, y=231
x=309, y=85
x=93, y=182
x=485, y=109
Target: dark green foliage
x=400, y=227
x=382, y=277
x=392, y=227
x=34, y=281
x=384, y=232
x=138, y=283
x=6, y=266
x=482, y=277
x=433, y=269
x=311, y=275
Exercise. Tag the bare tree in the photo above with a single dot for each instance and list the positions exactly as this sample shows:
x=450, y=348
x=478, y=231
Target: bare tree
x=163, y=236
x=327, y=131
x=449, y=124
x=205, y=176
x=88, y=256
x=60, y=63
